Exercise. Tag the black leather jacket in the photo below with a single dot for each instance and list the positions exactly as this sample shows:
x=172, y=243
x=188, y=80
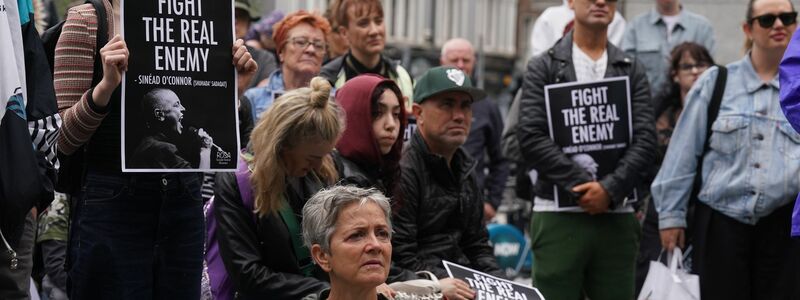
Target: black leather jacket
x=258, y=254
x=441, y=214
x=541, y=153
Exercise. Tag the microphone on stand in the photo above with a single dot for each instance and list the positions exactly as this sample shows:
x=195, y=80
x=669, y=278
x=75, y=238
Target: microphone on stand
x=194, y=130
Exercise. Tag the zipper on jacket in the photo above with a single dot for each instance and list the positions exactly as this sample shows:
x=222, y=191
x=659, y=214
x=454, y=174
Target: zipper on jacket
x=14, y=264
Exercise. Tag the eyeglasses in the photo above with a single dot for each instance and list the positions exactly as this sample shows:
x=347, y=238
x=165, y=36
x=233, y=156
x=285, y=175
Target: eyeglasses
x=303, y=42
x=702, y=66
x=766, y=21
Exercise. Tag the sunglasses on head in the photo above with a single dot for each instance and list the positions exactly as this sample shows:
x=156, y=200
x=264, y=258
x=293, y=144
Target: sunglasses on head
x=766, y=21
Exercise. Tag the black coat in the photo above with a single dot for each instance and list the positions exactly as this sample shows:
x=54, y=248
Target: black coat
x=441, y=214
x=258, y=254
x=542, y=154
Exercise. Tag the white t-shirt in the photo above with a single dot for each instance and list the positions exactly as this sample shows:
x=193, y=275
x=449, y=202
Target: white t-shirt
x=670, y=21
x=587, y=69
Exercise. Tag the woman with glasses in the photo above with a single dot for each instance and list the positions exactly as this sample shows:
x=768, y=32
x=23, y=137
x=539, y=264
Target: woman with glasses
x=687, y=61
x=748, y=174
x=300, y=44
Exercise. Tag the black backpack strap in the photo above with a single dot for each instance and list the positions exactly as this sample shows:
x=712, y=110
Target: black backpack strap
x=713, y=111
x=716, y=100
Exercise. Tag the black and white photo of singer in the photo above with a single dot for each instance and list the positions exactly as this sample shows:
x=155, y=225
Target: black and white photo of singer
x=166, y=145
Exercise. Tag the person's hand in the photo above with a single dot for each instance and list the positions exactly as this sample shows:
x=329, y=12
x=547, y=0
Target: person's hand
x=488, y=212
x=672, y=237
x=594, y=198
x=205, y=140
x=386, y=291
x=456, y=289
x=114, y=58
x=246, y=67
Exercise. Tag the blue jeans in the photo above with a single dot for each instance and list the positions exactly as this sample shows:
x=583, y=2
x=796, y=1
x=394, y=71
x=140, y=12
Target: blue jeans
x=137, y=236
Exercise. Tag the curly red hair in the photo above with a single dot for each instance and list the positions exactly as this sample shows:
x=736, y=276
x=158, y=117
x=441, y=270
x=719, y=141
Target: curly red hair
x=281, y=29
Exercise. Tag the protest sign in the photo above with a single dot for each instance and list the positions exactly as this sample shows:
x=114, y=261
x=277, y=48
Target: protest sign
x=179, y=92
x=488, y=287
x=591, y=123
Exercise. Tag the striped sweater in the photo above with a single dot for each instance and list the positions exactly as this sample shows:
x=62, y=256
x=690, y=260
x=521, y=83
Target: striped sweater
x=74, y=64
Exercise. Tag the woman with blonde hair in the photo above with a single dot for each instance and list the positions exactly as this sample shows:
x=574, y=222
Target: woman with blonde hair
x=258, y=209
x=748, y=166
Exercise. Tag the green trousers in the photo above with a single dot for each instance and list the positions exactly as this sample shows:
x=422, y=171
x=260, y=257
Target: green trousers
x=578, y=255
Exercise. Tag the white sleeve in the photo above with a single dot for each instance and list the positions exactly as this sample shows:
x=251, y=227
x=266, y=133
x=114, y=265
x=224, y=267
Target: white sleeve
x=541, y=36
x=616, y=29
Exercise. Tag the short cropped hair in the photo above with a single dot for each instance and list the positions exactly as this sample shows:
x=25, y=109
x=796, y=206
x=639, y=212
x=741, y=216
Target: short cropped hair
x=322, y=210
x=363, y=7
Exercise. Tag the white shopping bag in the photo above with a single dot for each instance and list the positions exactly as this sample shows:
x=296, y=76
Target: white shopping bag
x=670, y=283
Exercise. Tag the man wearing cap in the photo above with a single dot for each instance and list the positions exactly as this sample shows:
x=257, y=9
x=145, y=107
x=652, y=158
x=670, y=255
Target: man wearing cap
x=440, y=213
x=244, y=17
x=589, y=250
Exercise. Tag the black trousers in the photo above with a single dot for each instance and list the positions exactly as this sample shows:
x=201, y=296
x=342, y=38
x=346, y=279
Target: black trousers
x=740, y=261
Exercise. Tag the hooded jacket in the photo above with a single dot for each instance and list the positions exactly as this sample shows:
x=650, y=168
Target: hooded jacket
x=360, y=159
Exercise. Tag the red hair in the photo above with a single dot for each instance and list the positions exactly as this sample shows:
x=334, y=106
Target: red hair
x=281, y=29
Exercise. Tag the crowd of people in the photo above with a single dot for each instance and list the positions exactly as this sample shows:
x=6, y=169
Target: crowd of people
x=356, y=180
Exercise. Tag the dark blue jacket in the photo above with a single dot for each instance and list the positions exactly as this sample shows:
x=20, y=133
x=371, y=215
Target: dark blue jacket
x=484, y=139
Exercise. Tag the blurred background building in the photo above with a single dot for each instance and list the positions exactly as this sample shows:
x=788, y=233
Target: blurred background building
x=500, y=30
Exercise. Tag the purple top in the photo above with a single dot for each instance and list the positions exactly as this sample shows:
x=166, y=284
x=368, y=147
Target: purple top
x=789, y=73
x=222, y=286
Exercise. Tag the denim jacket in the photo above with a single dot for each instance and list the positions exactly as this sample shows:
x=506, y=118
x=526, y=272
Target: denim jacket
x=752, y=165
x=261, y=97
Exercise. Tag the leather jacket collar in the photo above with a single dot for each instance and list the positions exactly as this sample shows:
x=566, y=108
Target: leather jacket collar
x=462, y=163
x=562, y=53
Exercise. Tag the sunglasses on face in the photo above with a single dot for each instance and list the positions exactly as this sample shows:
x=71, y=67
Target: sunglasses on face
x=767, y=20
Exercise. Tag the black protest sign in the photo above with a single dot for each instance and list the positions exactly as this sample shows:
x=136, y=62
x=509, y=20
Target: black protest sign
x=488, y=287
x=591, y=123
x=179, y=92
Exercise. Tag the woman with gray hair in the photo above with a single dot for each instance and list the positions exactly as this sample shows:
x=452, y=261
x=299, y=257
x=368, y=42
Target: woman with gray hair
x=349, y=232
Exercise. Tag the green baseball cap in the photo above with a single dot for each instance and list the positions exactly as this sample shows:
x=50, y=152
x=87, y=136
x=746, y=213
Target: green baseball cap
x=445, y=79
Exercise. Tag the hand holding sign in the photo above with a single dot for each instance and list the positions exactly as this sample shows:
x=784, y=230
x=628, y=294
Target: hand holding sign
x=180, y=62
x=486, y=286
x=114, y=57
x=456, y=289
x=594, y=198
x=244, y=63
x=591, y=123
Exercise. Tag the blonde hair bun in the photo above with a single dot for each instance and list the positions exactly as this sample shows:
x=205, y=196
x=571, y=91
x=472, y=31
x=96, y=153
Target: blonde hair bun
x=320, y=91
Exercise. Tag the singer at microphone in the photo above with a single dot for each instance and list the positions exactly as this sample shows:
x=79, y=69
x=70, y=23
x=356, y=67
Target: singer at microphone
x=166, y=145
x=205, y=139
